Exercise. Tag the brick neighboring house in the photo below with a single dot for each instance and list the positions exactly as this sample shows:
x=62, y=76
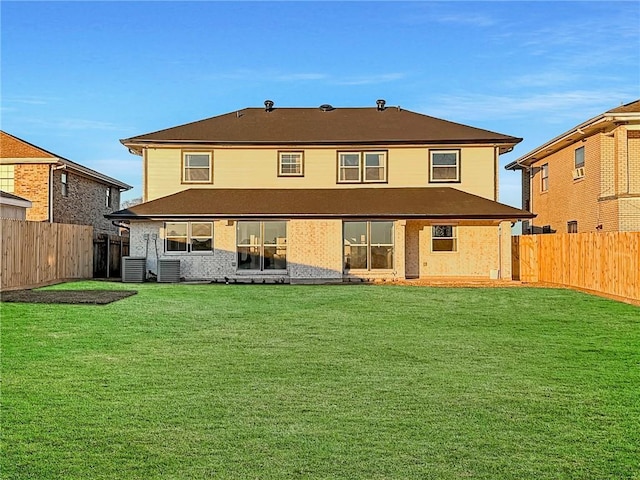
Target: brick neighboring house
x=308, y=195
x=586, y=179
x=60, y=190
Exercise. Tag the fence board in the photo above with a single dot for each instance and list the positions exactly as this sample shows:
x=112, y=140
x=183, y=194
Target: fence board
x=603, y=262
x=37, y=253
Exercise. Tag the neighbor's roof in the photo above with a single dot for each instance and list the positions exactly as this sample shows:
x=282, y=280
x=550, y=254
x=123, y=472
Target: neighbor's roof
x=16, y=150
x=11, y=199
x=322, y=126
x=396, y=203
x=628, y=113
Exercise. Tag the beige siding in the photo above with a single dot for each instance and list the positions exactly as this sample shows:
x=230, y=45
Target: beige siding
x=258, y=168
x=13, y=212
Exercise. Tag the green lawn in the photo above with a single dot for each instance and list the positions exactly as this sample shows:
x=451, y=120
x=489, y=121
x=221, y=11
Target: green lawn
x=321, y=382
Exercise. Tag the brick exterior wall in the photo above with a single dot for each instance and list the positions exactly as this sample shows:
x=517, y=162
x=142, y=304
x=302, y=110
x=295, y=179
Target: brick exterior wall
x=85, y=203
x=604, y=199
x=31, y=181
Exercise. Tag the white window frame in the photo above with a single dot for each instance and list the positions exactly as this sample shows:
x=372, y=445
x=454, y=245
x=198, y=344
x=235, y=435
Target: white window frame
x=433, y=167
x=298, y=158
x=64, y=180
x=369, y=245
x=108, y=198
x=188, y=239
x=544, y=178
x=453, y=238
x=361, y=167
x=186, y=168
x=7, y=178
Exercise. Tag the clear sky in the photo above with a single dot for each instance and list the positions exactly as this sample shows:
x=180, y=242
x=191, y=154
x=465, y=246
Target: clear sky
x=79, y=76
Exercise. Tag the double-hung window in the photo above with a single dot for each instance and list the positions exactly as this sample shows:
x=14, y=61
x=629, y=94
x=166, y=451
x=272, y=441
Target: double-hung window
x=368, y=245
x=108, y=197
x=444, y=238
x=544, y=177
x=196, y=167
x=579, y=157
x=444, y=166
x=290, y=164
x=7, y=176
x=362, y=167
x=188, y=237
x=262, y=246
x=64, y=181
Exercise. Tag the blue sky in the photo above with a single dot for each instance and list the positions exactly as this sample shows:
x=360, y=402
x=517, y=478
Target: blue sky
x=79, y=76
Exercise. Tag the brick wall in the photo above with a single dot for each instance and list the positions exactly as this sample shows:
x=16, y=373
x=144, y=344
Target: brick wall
x=85, y=203
x=31, y=181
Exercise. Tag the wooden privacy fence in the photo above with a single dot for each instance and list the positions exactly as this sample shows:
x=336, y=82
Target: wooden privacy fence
x=108, y=251
x=38, y=253
x=608, y=263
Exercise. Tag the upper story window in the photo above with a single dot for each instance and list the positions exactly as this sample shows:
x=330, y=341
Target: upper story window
x=579, y=157
x=7, y=177
x=108, y=197
x=362, y=167
x=196, y=167
x=188, y=237
x=572, y=226
x=64, y=181
x=544, y=177
x=290, y=164
x=444, y=165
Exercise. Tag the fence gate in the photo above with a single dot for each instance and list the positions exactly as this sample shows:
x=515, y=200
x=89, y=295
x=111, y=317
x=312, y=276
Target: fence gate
x=108, y=251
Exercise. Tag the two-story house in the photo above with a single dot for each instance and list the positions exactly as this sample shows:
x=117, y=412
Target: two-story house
x=323, y=194
x=59, y=190
x=586, y=179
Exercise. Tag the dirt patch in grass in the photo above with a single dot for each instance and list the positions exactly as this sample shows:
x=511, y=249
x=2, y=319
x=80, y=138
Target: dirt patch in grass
x=84, y=297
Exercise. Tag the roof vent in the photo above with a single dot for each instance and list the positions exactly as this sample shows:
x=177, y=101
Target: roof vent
x=380, y=103
x=325, y=107
x=268, y=105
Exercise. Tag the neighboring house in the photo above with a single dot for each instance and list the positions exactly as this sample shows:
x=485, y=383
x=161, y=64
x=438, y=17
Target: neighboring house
x=13, y=206
x=60, y=190
x=588, y=178
x=323, y=194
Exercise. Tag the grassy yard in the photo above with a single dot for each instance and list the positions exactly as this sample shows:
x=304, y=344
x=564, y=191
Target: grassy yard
x=321, y=382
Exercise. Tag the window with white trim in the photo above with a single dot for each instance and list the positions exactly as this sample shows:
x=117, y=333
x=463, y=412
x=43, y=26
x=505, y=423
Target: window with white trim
x=444, y=166
x=64, y=181
x=188, y=237
x=444, y=238
x=261, y=246
x=368, y=245
x=108, y=197
x=7, y=178
x=290, y=164
x=196, y=167
x=544, y=177
x=362, y=167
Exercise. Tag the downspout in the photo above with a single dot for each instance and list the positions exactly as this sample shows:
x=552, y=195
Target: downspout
x=499, y=251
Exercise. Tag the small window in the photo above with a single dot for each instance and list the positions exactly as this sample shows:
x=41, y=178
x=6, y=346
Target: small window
x=443, y=238
x=290, y=164
x=368, y=245
x=444, y=166
x=65, y=184
x=188, y=237
x=7, y=176
x=108, y=198
x=362, y=167
x=572, y=226
x=544, y=177
x=579, y=157
x=197, y=167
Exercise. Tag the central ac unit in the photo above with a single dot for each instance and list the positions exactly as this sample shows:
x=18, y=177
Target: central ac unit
x=133, y=269
x=578, y=173
x=168, y=270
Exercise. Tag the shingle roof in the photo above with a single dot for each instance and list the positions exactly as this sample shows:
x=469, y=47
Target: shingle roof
x=633, y=107
x=317, y=126
x=396, y=203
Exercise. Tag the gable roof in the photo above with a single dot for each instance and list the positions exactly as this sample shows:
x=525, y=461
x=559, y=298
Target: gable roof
x=322, y=126
x=393, y=203
x=17, y=150
x=628, y=113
